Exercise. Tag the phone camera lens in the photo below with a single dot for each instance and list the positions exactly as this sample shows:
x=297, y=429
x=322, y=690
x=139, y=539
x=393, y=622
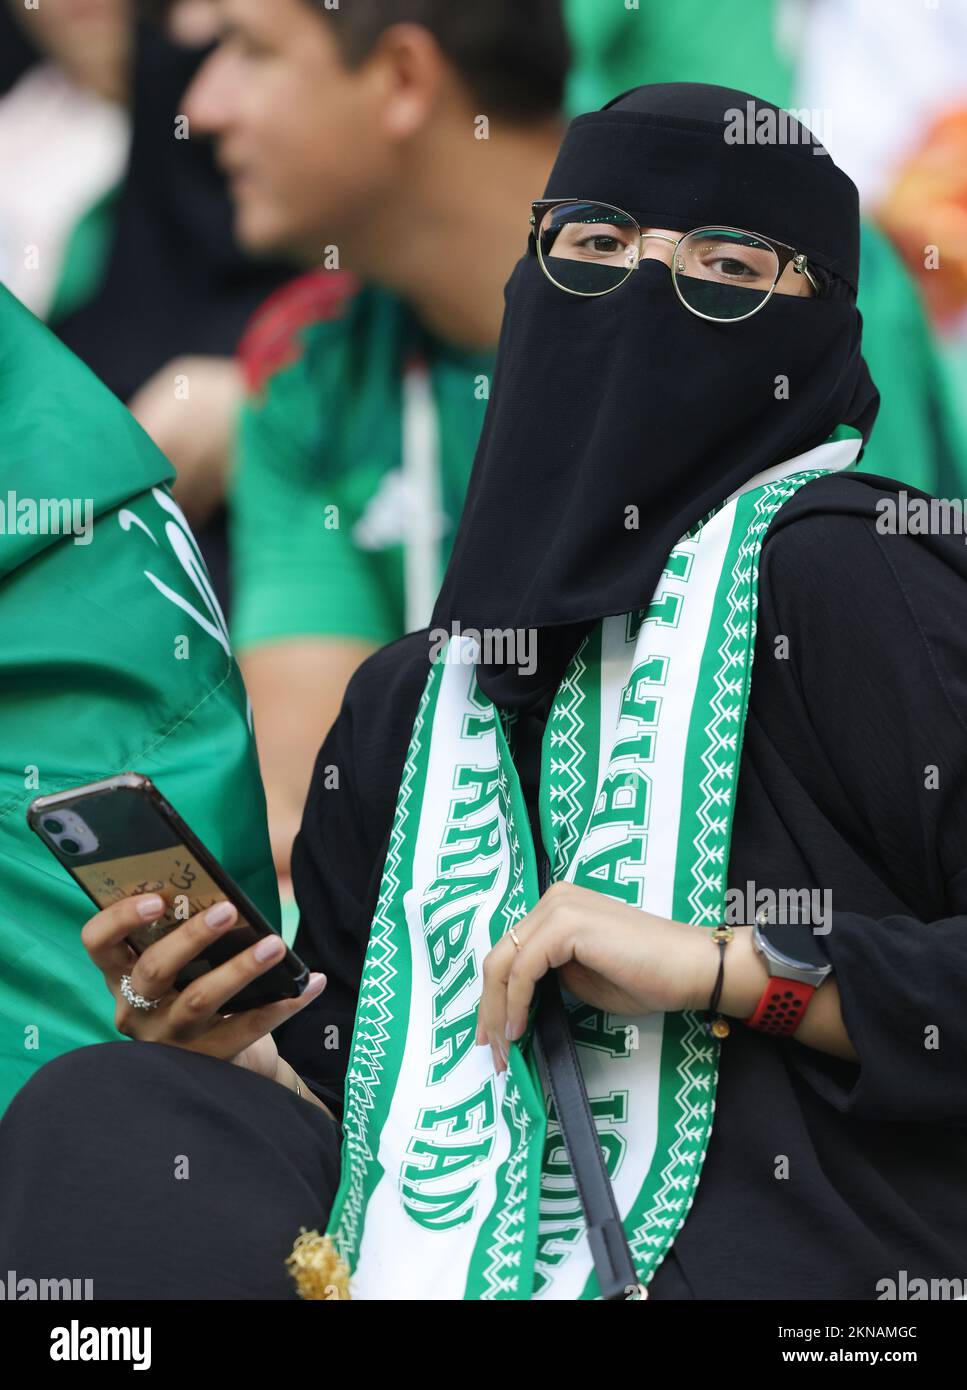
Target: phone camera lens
x=54, y=826
x=70, y=846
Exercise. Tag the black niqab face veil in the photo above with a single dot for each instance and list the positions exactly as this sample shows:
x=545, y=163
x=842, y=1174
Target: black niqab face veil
x=628, y=400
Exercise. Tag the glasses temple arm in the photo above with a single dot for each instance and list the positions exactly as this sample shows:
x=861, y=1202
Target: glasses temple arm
x=801, y=267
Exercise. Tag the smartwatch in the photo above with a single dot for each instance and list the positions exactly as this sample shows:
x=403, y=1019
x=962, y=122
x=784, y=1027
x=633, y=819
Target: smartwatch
x=797, y=966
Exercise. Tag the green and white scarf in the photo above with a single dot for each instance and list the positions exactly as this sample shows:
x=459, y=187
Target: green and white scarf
x=455, y=1181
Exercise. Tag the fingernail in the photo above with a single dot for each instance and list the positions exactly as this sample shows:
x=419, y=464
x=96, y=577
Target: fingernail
x=317, y=983
x=151, y=907
x=269, y=947
x=510, y=1032
x=218, y=915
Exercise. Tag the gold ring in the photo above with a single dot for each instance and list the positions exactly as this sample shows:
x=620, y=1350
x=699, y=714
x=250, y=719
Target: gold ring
x=514, y=937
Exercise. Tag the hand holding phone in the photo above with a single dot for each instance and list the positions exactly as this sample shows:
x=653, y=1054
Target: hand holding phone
x=218, y=977
x=120, y=837
x=191, y=1017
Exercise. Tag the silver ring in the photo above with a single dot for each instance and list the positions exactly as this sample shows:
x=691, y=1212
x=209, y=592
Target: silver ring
x=136, y=1000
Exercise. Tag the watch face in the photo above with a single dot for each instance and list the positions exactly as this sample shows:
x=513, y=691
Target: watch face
x=796, y=942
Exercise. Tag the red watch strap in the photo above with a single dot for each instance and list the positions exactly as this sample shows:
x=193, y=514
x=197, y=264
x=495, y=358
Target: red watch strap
x=781, y=1007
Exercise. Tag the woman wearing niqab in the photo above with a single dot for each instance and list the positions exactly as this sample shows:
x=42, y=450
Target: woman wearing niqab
x=685, y=735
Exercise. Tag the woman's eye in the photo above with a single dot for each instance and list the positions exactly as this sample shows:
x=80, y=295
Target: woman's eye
x=734, y=270
x=602, y=245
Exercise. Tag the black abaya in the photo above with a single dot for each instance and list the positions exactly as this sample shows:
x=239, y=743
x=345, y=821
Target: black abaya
x=822, y=1177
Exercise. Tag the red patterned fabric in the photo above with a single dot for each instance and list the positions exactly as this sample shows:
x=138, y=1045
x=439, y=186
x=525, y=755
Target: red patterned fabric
x=271, y=340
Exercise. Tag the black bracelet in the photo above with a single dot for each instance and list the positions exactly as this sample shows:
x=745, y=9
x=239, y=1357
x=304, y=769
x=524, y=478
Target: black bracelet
x=715, y=1023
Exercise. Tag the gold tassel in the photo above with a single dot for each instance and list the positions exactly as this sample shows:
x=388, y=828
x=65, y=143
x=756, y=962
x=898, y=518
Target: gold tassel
x=317, y=1267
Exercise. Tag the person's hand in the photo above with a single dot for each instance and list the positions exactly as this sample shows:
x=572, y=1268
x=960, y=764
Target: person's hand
x=194, y=430
x=188, y=1018
x=613, y=956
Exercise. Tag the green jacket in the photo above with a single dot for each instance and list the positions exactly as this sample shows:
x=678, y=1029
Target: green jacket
x=113, y=657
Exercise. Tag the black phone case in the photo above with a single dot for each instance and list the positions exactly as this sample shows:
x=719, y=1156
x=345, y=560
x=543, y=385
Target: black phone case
x=139, y=831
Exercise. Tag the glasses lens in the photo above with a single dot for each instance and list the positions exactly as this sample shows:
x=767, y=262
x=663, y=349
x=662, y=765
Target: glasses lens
x=724, y=274
x=588, y=248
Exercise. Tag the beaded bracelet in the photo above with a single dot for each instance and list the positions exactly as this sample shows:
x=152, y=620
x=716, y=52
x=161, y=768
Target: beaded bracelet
x=716, y=1023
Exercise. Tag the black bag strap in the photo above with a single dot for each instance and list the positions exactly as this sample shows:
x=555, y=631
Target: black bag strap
x=613, y=1265
x=617, y=1276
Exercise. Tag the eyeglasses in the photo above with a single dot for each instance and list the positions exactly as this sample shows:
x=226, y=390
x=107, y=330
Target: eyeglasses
x=719, y=273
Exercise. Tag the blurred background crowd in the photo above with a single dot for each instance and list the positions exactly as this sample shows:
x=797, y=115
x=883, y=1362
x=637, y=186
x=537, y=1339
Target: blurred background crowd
x=301, y=303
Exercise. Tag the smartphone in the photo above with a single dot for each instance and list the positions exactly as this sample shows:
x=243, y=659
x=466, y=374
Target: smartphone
x=120, y=837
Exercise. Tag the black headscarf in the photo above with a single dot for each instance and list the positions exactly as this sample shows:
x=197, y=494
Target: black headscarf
x=627, y=399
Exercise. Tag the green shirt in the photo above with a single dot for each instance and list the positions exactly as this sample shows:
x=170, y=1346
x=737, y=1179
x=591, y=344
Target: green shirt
x=316, y=510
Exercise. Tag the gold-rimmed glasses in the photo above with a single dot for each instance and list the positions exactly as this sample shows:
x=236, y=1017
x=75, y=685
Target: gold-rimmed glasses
x=719, y=273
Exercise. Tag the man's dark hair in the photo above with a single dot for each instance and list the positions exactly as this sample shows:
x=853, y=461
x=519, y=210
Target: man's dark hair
x=513, y=55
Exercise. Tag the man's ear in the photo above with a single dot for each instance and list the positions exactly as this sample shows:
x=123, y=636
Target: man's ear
x=415, y=72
